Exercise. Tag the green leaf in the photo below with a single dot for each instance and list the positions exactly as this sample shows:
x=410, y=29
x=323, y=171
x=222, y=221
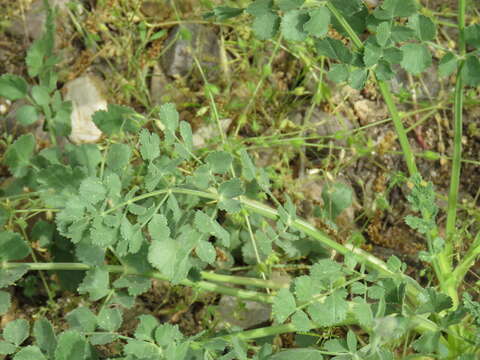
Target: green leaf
x=110, y=319
x=396, y=8
x=283, y=305
x=92, y=190
x=169, y=117
x=287, y=5
x=348, y=7
x=206, y=252
x=428, y=343
x=7, y=348
x=187, y=136
x=318, y=23
x=167, y=333
x=71, y=346
x=383, y=71
x=472, y=36
x=149, y=145
x=266, y=26
x=27, y=115
x=12, y=246
x=16, y=331
x=102, y=338
x=260, y=7
x=332, y=311
x=118, y=157
x=292, y=25
x=45, y=336
x=339, y=73
x=301, y=354
x=447, y=65
x=416, y=58
x=336, y=197
x=402, y=33
x=62, y=119
x=226, y=12
x=136, y=285
x=231, y=188
x=158, y=227
x=357, y=78
x=384, y=31
x=333, y=49
x=116, y=119
x=18, y=155
x=248, y=168
x=423, y=26
x=393, y=55
x=41, y=95
x=95, y=283
x=140, y=349
x=219, y=161
x=434, y=302
x=29, y=353
x=5, y=302
x=363, y=312
x=9, y=276
x=351, y=341
x=301, y=321
x=162, y=254
x=102, y=235
x=82, y=319
x=13, y=87
x=305, y=288
x=146, y=327
x=471, y=71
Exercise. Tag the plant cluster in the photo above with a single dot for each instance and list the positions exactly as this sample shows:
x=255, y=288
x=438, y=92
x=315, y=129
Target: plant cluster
x=108, y=218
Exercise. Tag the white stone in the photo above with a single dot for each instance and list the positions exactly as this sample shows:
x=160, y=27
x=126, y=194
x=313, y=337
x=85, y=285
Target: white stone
x=87, y=97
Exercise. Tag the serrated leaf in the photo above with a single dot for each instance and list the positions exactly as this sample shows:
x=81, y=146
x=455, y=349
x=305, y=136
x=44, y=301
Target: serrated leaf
x=393, y=55
x=27, y=115
x=71, y=346
x=10, y=276
x=110, y=319
x=29, y=353
x=18, y=155
x=16, y=331
x=248, y=168
x=283, y=305
x=357, y=78
x=318, y=23
x=383, y=71
x=45, y=336
x=136, y=285
x=146, y=327
x=162, y=254
x=339, y=73
x=471, y=71
x=7, y=348
x=260, y=7
x=301, y=321
x=372, y=53
x=95, y=283
x=266, y=26
x=40, y=95
x=89, y=253
x=416, y=58
x=5, y=302
x=384, y=31
x=348, y=7
x=167, y=333
x=303, y=354
x=428, y=343
x=305, y=288
x=149, y=145
x=396, y=8
x=332, y=311
x=140, y=349
x=186, y=134
x=206, y=252
x=472, y=35
x=423, y=26
x=363, y=312
x=231, y=188
x=158, y=227
x=82, y=319
x=402, y=33
x=12, y=246
x=434, y=302
x=447, y=65
x=102, y=338
x=226, y=12
x=169, y=117
x=333, y=49
x=115, y=119
x=219, y=161
x=13, y=87
x=292, y=25
x=92, y=190
x=118, y=157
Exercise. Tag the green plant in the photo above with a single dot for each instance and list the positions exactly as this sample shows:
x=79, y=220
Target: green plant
x=135, y=209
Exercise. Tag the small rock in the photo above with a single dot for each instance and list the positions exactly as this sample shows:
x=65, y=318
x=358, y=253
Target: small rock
x=205, y=133
x=244, y=314
x=32, y=25
x=87, y=96
x=186, y=42
x=369, y=111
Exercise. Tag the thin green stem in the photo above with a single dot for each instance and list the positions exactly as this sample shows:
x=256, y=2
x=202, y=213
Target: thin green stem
x=467, y=262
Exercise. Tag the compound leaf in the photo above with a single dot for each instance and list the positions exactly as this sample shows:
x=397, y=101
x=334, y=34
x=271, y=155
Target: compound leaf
x=292, y=25
x=149, y=145
x=283, y=305
x=18, y=155
x=416, y=58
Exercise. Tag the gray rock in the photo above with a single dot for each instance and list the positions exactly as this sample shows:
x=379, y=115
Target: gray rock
x=32, y=25
x=87, y=96
x=244, y=314
x=427, y=86
x=205, y=133
x=186, y=42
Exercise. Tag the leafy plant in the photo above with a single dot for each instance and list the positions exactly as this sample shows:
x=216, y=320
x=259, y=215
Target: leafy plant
x=156, y=209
